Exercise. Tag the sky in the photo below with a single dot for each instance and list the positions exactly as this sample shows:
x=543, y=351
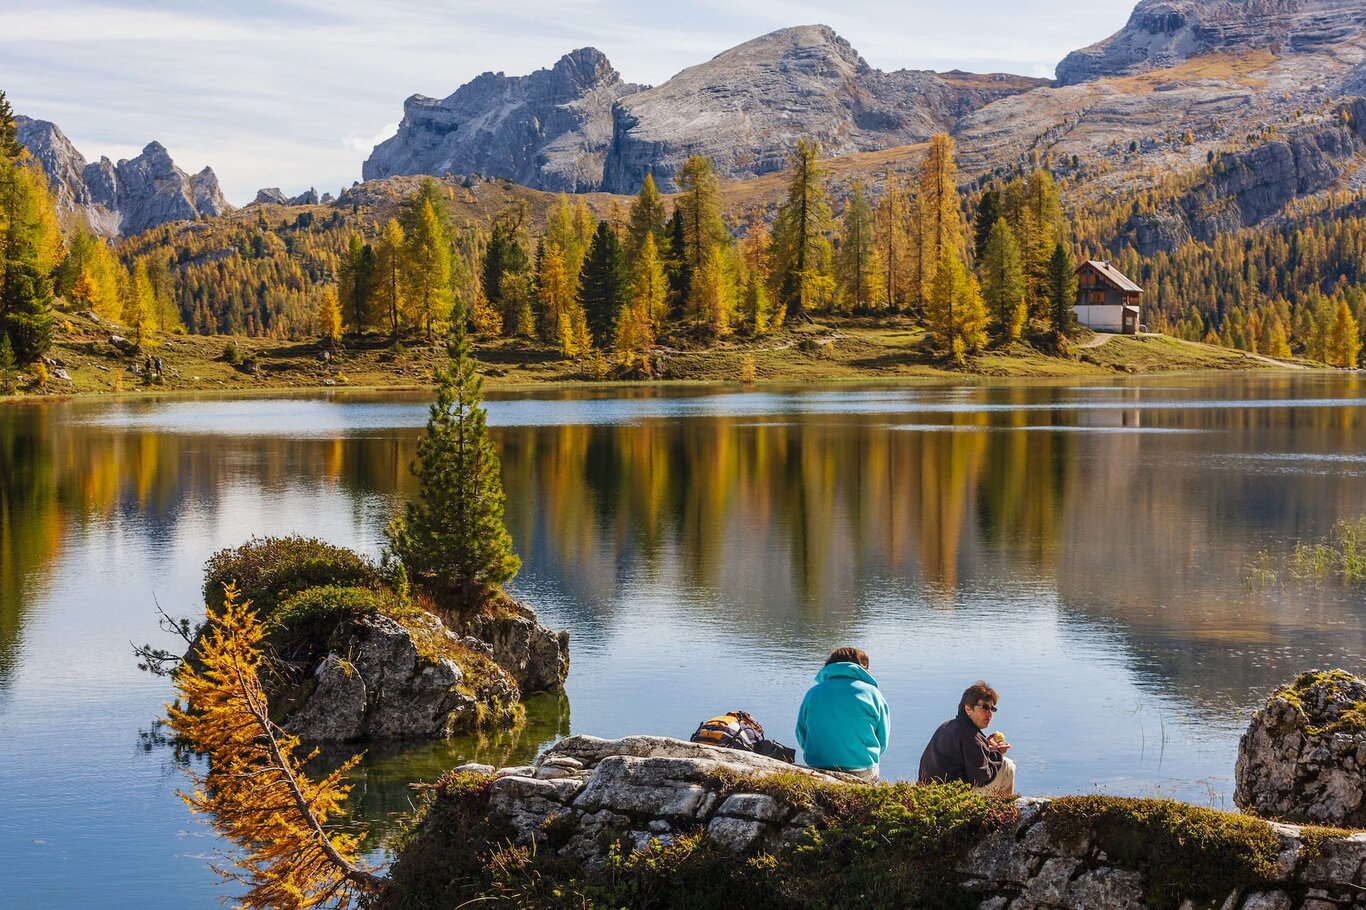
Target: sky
x=295, y=93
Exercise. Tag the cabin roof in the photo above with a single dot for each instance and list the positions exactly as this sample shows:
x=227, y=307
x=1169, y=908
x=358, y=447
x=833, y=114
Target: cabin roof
x=1111, y=274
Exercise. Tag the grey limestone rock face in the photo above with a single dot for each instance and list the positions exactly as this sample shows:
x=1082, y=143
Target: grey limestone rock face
x=1290, y=766
x=1163, y=33
x=549, y=130
x=746, y=108
x=125, y=198
x=375, y=685
x=537, y=657
x=578, y=127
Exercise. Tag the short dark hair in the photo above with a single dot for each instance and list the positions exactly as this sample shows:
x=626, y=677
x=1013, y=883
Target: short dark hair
x=978, y=692
x=848, y=656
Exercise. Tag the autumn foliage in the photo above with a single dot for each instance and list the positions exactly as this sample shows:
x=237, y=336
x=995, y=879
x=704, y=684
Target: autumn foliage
x=254, y=791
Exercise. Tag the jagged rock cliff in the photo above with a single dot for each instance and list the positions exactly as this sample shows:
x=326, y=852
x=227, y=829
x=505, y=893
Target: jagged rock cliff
x=578, y=127
x=1163, y=33
x=549, y=130
x=125, y=198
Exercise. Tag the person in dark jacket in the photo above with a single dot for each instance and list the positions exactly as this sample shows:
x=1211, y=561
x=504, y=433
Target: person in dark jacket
x=961, y=750
x=844, y=723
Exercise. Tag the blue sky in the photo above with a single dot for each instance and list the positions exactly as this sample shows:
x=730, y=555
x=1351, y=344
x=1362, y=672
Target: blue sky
x=295, y=93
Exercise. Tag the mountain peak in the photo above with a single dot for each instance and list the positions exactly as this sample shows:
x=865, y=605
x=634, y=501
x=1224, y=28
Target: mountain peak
x=1163, y=33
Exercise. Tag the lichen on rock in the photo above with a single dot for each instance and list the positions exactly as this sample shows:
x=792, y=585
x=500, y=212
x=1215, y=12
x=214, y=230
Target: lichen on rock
x=1303, y=757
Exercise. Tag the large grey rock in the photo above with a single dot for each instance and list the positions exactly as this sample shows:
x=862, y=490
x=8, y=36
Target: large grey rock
x=375, y=685
x=537, y=657
x=125, y=198
x=1291, y=767
x=1162, y=33
x=550, y=130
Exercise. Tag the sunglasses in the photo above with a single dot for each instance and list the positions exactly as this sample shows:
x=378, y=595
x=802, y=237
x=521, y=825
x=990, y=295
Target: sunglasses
x=991, y=708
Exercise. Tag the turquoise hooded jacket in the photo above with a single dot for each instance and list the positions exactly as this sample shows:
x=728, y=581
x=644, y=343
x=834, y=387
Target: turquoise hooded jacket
x=844, y=722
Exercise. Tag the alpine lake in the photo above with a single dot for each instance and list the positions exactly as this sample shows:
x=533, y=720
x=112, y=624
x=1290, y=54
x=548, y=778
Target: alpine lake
x=1085, y=549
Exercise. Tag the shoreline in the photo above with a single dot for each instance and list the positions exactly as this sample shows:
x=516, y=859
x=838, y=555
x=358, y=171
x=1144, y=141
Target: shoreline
x=850, y=351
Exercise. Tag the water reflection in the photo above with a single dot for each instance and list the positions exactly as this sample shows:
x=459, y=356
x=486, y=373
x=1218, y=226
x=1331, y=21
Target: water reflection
x=1082, y=547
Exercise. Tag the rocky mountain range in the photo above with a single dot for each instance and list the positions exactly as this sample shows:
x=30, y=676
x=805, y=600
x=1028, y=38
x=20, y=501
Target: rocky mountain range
x=578, y=127
x=1264, y=88
x=120, y=199
x=1162, y=33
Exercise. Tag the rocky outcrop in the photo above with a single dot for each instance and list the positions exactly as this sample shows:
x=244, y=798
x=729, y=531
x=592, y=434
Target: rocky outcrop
x=125, y=198
x=578, y=127
x=376, y=683
x=535, y=656
x=746, y=108
x=1303, y=757
x=1248, y=187
x=1162, y=33
x=275, y=196
x=586, y=797
x=643, y=787
x=549, y=130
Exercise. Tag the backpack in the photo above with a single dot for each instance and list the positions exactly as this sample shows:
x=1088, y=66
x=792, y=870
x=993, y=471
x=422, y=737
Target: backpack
x=737, y=730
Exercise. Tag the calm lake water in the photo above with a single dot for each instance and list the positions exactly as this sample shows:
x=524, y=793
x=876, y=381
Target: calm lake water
x=1083, y=548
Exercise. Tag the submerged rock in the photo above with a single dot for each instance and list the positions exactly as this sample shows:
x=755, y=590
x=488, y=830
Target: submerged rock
x=1303, y=757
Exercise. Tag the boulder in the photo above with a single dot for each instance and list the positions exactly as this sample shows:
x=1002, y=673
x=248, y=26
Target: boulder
x=1303, y=757
x=375, y=683
x=535, y=656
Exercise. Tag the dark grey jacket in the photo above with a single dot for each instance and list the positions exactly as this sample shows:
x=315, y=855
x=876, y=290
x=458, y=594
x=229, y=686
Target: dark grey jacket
x=959, y=751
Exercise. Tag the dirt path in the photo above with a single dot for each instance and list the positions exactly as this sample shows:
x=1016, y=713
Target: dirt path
x=1096, y=340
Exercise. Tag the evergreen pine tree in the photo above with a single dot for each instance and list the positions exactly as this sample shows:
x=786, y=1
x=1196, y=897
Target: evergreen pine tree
x=357, y=280
x=504, y=253
x=988, y=211
x=9, y=369
x=451, y=539
x=1003, y=281
x=1062, y=292
x=604, y=285
x=10, y=149
x=676, y=265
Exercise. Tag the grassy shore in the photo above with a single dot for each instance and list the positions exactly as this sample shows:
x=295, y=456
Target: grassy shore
x=845, y=349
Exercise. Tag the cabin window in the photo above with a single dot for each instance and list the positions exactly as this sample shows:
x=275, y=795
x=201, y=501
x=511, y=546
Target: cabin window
x=1095, y=298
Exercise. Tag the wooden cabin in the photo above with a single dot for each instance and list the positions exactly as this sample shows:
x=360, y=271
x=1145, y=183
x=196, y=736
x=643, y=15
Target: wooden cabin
x=1107, y=301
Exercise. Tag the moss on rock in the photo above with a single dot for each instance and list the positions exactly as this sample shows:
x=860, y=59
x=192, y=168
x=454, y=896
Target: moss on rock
x=1183, y=851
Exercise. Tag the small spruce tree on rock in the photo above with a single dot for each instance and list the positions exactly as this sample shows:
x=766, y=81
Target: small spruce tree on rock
x=451, y=540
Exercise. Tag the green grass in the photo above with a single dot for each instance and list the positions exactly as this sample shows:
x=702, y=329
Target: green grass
x=837, y=349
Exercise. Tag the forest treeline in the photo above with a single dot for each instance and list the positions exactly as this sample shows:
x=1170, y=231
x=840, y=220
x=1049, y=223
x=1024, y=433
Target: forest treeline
x=992, y=268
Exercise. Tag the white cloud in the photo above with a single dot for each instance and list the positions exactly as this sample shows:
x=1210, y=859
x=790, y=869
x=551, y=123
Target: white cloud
x=284, y=92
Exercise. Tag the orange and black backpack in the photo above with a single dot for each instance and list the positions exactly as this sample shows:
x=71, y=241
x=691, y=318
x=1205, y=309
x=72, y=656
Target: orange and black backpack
x=733, y=730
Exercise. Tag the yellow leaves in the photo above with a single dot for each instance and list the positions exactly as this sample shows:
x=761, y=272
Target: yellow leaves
x=254, y=792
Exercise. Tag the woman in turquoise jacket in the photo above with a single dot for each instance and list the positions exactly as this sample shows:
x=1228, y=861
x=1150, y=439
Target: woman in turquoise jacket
x=844, y=722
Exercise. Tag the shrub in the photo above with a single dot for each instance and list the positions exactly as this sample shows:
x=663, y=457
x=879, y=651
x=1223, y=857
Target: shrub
x=231, y=354
x=269, y=570
x=305, y=622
